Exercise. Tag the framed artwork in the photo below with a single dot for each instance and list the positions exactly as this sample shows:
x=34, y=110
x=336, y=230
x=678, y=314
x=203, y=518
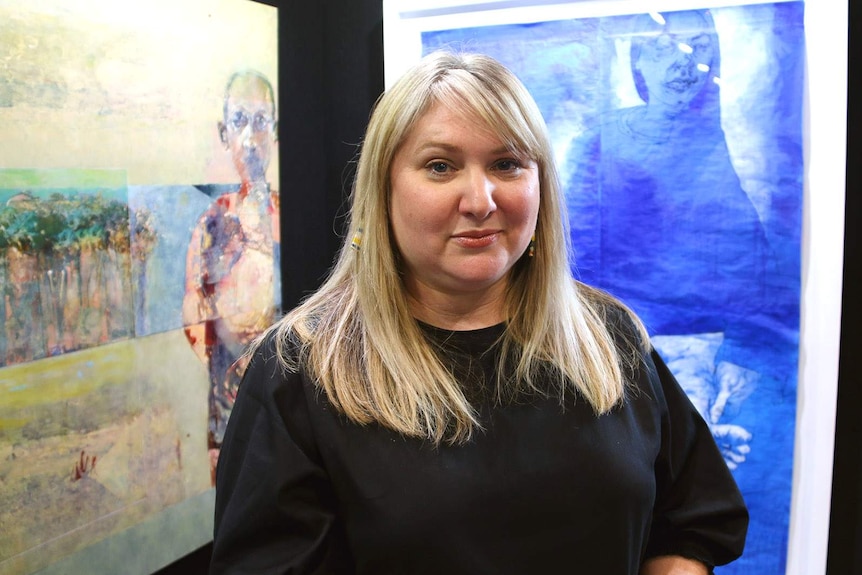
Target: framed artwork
x=695, y=153
x=138, y=142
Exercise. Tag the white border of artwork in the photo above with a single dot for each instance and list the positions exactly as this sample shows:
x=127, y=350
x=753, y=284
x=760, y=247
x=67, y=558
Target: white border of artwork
x=825, y=117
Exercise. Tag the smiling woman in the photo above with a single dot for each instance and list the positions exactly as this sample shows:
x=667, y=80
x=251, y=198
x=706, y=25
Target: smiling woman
x=447, y=366
x=463, y=208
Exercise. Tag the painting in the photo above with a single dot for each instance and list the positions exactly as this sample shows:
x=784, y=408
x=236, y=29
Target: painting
x=138, y=255
x=679, y=134
x=65, y=264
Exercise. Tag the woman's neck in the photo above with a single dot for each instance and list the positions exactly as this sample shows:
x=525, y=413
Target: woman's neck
x=461, y=312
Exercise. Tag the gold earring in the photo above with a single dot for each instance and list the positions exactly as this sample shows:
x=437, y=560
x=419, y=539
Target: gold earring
x=531, y=250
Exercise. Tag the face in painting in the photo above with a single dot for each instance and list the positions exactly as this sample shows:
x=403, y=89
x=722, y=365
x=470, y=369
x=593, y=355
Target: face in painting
x=463, y=207
x=675, y=64
x=248, y=130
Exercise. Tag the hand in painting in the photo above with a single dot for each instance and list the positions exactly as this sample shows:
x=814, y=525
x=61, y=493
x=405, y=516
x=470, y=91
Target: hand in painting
x=734, y=384
x=691, y=358
x=712, y=389
x=732, y=441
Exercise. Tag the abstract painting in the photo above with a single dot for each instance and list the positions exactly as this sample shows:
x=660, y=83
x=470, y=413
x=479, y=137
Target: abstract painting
x=138, y=254
x=679, y=137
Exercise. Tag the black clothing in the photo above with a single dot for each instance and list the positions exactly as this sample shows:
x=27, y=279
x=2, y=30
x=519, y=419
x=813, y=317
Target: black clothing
x=544, y=488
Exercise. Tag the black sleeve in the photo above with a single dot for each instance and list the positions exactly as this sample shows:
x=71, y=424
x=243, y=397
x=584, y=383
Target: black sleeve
x=699, y=512
x=274, y=509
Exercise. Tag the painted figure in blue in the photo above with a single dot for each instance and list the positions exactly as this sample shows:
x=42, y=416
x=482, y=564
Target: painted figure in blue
x=660, y=220
x=231, y=284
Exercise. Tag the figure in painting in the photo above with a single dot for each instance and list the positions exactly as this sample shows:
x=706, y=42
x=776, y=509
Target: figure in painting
x=231, y=287
x=660, y=219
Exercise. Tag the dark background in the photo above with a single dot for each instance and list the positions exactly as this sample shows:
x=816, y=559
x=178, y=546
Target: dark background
x=331, y=73
x=845, y=529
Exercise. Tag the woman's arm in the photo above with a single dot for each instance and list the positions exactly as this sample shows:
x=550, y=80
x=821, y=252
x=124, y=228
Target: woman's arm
x=275, y=511
x=673, y=565
x=699, y=512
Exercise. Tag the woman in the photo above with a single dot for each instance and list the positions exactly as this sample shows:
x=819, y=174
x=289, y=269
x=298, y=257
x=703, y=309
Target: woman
x=451, y=401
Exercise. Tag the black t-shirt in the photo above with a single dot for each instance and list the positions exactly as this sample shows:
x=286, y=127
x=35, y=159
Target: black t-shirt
x=545, y=487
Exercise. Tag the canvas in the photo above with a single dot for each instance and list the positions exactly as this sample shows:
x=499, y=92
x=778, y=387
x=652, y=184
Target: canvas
x=138, y=255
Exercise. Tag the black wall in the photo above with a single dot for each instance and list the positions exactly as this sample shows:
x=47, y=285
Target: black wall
x=331, y=73
x=845, y=530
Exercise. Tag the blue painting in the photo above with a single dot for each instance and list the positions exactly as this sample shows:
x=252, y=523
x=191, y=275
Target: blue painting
x=170, y=212
x=679, y=140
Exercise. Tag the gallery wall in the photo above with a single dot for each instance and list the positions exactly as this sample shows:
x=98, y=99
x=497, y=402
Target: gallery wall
x=331, y=63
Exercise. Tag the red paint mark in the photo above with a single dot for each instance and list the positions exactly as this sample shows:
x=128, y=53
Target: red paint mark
x=83, y=466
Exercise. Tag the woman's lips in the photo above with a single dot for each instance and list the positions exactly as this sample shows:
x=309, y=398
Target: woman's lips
x=478, y=239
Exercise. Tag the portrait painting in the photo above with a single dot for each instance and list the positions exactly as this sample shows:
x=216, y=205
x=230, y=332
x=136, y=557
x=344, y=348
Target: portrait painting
x=679, y=137
x=138, y=255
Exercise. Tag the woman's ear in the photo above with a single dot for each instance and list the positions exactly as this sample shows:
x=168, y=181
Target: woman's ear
x=275, y=130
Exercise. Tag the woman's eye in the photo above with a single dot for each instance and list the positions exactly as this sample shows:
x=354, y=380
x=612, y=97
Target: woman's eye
x=508, y=165
x=438, y=167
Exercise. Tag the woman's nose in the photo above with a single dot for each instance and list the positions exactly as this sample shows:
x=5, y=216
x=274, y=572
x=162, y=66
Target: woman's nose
x=478, y=197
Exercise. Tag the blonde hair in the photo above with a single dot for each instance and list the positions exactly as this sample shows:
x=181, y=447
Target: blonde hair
x=356, y=336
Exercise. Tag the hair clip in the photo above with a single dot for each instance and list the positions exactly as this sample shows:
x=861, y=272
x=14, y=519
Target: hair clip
x=356, y=242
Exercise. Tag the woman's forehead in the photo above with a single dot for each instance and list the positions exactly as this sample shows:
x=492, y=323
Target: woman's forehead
x=489, y=118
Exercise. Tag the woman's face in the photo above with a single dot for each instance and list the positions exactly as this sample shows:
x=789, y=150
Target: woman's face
x=462, y=206
x=675, y=64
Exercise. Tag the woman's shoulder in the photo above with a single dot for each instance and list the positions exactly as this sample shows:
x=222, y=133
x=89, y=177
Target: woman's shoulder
x=627, y=332
x=273, y=359
x=617, y=316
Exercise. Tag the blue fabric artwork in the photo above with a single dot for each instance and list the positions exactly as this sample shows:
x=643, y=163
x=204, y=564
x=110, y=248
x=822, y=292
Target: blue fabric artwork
x=679, y=140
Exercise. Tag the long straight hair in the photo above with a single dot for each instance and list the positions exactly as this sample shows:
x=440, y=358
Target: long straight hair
x=356, y=336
